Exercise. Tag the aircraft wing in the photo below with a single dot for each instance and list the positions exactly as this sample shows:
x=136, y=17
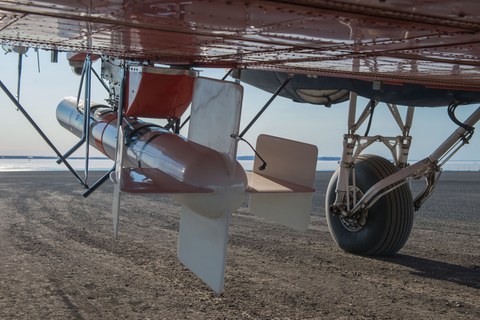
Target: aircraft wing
x=399, y=41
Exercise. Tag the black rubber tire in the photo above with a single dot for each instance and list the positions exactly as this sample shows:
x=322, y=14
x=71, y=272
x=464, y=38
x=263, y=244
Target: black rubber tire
x=389, y=220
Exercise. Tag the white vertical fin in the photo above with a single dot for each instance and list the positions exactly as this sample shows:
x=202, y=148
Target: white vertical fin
x=215, y=116
x=202, y=246
x=116, y=208
x=118, y=182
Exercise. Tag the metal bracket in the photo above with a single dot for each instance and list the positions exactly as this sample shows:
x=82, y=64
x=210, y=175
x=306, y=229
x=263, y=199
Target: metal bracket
x=431, y=180
x=355, y=144
x=87, y=76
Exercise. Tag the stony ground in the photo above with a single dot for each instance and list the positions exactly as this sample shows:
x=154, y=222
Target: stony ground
x=58, y=260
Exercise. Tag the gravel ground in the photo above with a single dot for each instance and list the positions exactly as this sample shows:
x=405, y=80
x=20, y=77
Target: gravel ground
x=58, y=260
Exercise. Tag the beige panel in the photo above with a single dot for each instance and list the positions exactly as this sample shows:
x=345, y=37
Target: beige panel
x=283, y=191
x=287, y=160
x=290, y=210
x=259, y=183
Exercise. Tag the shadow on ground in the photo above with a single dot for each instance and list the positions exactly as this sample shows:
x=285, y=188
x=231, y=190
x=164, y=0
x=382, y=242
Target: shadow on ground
x=427, y=268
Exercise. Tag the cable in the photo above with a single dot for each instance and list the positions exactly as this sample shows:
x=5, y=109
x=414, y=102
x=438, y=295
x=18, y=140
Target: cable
x=264, y=164
x=451, y=113
x=372, y=109
x=129, y=135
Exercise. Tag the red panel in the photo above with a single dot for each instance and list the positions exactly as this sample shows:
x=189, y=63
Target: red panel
x=163, y=96
x=80, y=56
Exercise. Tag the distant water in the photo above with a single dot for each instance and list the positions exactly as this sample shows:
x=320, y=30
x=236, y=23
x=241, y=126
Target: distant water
x=332, y=165
x=103, y=164
x=49, y=164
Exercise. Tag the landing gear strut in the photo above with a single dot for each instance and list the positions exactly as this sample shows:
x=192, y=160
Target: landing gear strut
x=369, y=205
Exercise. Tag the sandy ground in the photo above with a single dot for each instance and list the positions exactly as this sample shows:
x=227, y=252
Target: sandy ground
x=58, y=260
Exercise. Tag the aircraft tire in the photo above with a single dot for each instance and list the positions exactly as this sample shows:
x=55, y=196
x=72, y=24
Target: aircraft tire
x=386, y=226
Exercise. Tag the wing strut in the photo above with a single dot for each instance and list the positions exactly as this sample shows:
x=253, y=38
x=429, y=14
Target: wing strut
x=86, y=77
x=40, y=132
x=274, y=95
x=19, y=79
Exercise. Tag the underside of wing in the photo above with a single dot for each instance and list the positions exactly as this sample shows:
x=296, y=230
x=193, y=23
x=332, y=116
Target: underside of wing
x=420, y=42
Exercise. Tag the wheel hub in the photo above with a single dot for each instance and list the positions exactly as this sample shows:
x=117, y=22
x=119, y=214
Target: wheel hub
x=357, y=221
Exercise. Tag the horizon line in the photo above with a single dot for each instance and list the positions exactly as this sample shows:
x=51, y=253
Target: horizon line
x=241, y=158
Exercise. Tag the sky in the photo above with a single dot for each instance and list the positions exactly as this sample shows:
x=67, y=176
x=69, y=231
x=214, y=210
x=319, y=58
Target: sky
x=324, y=127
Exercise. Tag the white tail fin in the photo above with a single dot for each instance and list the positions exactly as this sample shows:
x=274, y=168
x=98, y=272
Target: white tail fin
x=283, y=191
x=215, y=116
x=202, y=246
x=119, y=157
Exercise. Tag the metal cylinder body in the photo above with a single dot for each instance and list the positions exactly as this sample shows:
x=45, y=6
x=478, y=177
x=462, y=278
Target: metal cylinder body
x=150, y=146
